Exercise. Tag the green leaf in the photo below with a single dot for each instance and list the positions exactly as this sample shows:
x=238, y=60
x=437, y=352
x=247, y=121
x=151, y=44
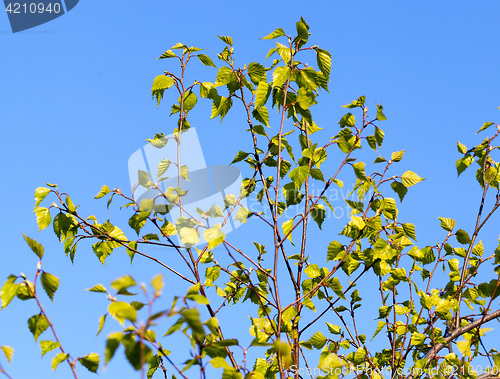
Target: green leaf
x=318, y=340
x=256, y=72
x=25, y=290
x=112, y=343
x=447, y=223
x=122, y=311
x=157, y=282
x=261, y=114
x=360, y=102
x=400, y=189
x=332, y=361
x=43, y=218
x=359, y=170
x=144, y=179
x=275, y=34
x=335, y=285
x=379, y=136
x=397, y=155
x=287, y=227
x=192, y=317
x=221, y=107
x=58, y=359
x=167, y=54
x=214, y=237
x=347, y=120
x=417, y=339
x=380, y=325
x=159, y=141
x=384, y=311
x=40, y=194
x=302, y=31
x=227, y=40
x=35, y=246
x=409, y=178
x=50, y=284
x=189, y=236
x=47, y=346
x=334, y=329
x=8, y=352
x=205, y=59
x=478, y=250
x=102, y=320
x=162, y=167
x=318, y=214
x=324, y=60
x=305, y=98
x=262, y=94
x=485, y=126
x=409, y=230
x=299, y=175
x=380, y=114
x=219, y=362
x=240, y=156
x=313, y=271
x=160, y=84
x=281, y=75
x=211, y=275
x=37, y=324
x=90, y=362
x=103, y=192
x=461, y=148
x=153, y=365
x=334, y=248
x=463, y=163
x=98, y=288
x=9, y=291
x=123, y=282
x=462, y=237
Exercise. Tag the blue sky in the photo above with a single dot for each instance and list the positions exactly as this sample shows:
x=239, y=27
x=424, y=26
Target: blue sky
x=75, y=104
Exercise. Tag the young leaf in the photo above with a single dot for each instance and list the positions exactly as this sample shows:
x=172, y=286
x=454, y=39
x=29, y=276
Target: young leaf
x=50, y=284
x=159, y=141
x=47, y=346
x=35, y=246
x=447, y=223
x=40, y=194
x=8, y=352
x=299, y=175
x=380, y=114
x=160, y=84
x=227, y=40
x=103, y=192
x=167, y=54
x=37, y=324
x=280, y=75
x=400, y=189
x=360, y=102
x=206, y=60
x=9, y=291
x=277, y=33
x=409, y=178
x=240, y=156
x=461, y=148
x=121, y=311
x=397, y=155
x=324, y=60
x=43, y=218
x=485, y=126
x=58, y=359
x=90, y=362
x=214, y=237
